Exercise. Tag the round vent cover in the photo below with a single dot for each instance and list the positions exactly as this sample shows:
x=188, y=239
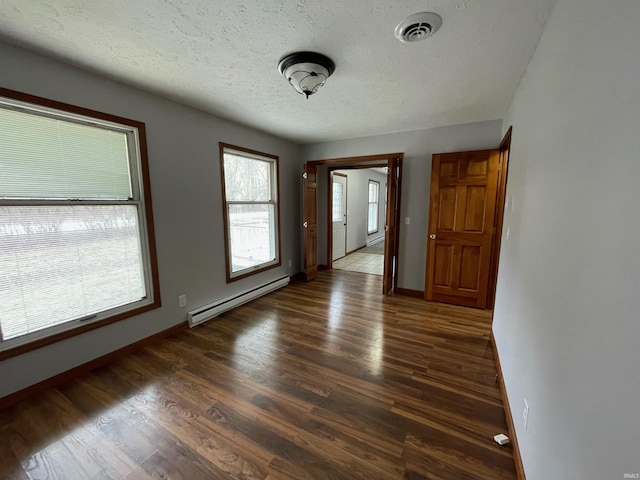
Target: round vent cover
x=418, y=26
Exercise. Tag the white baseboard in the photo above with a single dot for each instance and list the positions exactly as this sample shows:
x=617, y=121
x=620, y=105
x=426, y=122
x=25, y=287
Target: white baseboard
x=374, y=241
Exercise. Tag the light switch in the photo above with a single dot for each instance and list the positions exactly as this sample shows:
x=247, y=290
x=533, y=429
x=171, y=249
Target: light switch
x=407, y=220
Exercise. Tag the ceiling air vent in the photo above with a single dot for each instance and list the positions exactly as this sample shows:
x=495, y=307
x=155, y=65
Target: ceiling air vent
x=418, y=26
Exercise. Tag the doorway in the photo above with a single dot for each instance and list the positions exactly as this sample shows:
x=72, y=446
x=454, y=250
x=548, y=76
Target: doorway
x=317, y=182
x=357, y=221
x=466, y=208
x=338, y=215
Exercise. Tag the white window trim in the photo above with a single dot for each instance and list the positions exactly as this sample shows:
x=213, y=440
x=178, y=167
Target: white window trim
x=139, y=199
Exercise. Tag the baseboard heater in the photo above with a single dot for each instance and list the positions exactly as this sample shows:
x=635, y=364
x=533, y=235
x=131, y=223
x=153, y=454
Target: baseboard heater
x=375, y=240
x=202, y=314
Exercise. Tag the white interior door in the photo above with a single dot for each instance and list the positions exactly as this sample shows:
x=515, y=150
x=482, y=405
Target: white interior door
x=339, y=216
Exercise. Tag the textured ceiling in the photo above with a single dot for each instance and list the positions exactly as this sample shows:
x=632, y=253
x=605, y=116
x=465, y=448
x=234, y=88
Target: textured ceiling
x=221, y=56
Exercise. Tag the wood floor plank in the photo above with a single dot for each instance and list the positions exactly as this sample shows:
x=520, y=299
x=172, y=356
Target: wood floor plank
x=320, y=380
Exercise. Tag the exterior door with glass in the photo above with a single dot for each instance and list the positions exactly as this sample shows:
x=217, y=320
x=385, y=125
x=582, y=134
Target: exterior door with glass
x=339, y=215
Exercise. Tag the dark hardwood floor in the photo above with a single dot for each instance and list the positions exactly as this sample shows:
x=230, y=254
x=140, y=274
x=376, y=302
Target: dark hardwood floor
x=321, y=380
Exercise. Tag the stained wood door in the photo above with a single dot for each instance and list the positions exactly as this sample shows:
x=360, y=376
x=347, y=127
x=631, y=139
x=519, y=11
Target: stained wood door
x=391, y=235
x=310, y=220
x=338, y=216
x=461, y=221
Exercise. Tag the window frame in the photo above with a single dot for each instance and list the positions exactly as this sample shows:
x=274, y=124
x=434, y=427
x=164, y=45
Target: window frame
x=376, y=203
x=141, y=191
x=275, y=191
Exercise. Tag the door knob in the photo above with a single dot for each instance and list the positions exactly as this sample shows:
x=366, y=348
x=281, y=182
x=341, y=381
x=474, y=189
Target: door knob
x=432, y=236
x=305, y=224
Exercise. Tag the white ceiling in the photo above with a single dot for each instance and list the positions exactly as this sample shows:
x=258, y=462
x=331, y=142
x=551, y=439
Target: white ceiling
x=221, y=56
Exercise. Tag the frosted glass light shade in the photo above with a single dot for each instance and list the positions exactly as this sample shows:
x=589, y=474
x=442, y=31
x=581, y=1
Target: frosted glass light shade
x=306, y=71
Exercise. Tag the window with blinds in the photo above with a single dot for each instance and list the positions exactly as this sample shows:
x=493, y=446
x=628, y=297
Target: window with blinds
x=74, y=247
x=250, y=196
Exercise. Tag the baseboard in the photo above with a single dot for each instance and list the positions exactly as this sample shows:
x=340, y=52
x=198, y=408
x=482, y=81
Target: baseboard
x=85, y=368
x=375, y=241
x=409, y=293
x=298, y=277
x=355, y=250
x=507, y=410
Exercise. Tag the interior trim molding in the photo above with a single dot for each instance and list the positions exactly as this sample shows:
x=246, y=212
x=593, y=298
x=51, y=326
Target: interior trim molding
x=147, y=212
x=409, y=293
x=85, y=368
x=507, y=410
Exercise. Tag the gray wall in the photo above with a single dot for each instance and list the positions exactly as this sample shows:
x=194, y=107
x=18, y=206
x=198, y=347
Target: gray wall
x=358, y=206
x=187, y=205
x=417, y=146
x=566, y=318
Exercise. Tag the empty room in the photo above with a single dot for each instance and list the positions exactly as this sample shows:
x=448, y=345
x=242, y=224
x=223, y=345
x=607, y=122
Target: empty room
x=297, y=239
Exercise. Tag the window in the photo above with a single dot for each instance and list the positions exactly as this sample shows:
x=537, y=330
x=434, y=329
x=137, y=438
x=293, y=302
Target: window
x=337, y=214
x=372, y=218
x=250, y=196
x=76, y=239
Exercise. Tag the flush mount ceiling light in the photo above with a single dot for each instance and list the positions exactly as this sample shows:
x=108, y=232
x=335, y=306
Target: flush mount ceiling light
x=418, y=26
x=306, y=71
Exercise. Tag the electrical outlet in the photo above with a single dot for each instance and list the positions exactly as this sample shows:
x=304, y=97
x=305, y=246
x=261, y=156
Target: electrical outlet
x=290, y=263
x=182, y=301
x=525, y=414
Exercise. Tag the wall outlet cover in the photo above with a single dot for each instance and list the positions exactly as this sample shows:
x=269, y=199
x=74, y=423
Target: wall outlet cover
x=182, y=301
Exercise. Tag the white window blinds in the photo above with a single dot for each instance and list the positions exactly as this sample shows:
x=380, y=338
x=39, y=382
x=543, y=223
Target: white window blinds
x=44, y=157
x=73, y=244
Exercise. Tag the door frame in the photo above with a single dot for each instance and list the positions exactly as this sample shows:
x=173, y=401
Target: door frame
x=503, y=173
x=331, y=172
x=498, y=219
x=366, y=161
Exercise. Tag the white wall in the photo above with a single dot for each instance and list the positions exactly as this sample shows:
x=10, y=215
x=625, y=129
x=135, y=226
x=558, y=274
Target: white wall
x=566, y=319
x=358, y=206
x=417, y=146
x=187, y=205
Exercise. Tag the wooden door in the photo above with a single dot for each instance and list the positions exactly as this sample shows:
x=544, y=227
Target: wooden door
x=338, y=216
x=461, y=221
x=310, y=220
x=391, y=235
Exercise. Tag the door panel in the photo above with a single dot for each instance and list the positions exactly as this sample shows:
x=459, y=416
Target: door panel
x=444, y=262
x=391, y=235
x=469, y=267
x=461, y=215
x=310, y=221
x=475, y=209
x=338, y=216
x=447, y=212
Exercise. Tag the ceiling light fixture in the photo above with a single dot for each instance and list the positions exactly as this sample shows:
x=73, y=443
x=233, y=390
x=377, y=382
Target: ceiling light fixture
x=306, y=71
x=418, y=26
